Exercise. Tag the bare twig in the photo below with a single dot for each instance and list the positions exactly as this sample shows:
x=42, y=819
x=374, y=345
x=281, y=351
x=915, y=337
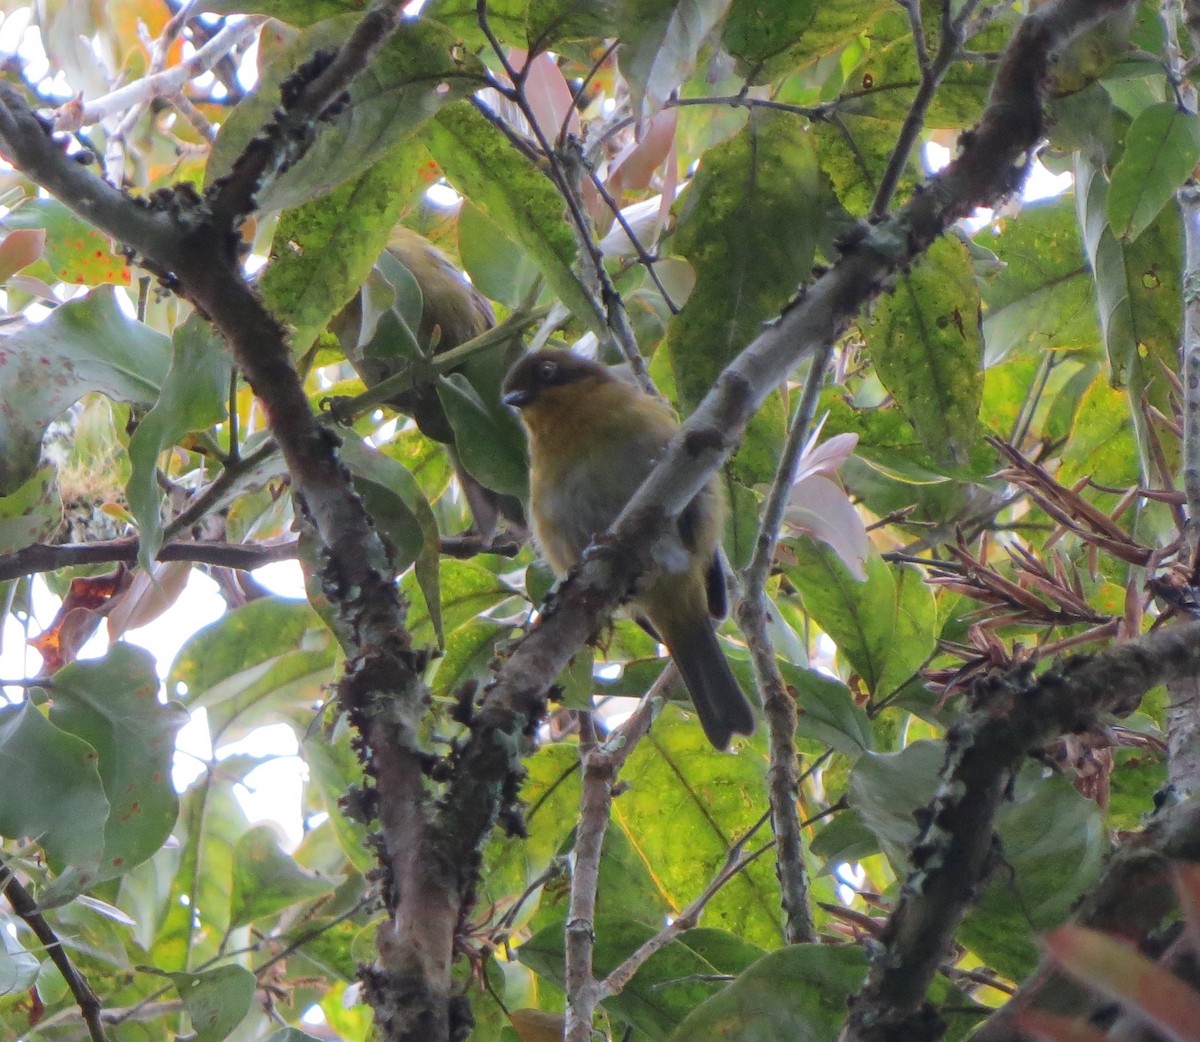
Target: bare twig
x=43, y=557
x=166, y=84
x=736, y=863
x=601, y=765
x=611, y=306
x=932, y=73
x=26, y=908
x=778, y=705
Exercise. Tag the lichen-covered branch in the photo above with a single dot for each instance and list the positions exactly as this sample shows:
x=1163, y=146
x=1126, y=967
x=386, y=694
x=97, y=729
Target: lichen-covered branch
x=1011, y=716
x=991, y=166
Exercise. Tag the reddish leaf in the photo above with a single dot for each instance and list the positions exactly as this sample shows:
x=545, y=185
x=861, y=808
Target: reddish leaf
x=86, y=603
x=1124, y=975
x=1047, y=1027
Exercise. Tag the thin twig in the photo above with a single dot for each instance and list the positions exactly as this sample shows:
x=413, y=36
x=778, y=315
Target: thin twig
x=643, y=254
x=43, y=557
x=26, y=908
x=1189, y=202
x=601, y=765
x=616, y=981
x=166, y=84
x=611, y=305
x=778, y=705
x=932, y=74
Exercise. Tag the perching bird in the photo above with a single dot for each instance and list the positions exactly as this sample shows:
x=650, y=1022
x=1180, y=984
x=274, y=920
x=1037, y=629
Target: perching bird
x=452, y=312
x=593, y=438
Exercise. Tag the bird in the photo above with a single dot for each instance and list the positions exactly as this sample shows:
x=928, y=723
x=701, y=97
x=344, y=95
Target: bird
x=452, y=312
x=593, y=437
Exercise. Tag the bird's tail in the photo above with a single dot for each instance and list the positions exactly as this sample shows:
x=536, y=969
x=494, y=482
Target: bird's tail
x=716, y=694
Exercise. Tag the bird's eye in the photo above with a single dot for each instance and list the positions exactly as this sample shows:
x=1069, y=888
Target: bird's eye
x=548, y=371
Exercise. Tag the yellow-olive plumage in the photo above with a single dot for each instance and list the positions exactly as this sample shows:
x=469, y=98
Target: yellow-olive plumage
x=452, y=312
x=593, y=438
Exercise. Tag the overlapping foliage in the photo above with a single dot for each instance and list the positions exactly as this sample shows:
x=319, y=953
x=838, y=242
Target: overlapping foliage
x=1013, y=404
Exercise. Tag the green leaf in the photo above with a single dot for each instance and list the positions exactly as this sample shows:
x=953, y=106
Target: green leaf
x=926, y=343
x=1102, y=444
x=215, y=1001
x=550, y=794
x=112, y=704
x=827, y=710
x=294, y=12
x=885, y=627
x=763, y=180
x=31, y=512
x=855, y=154
x=553, y=21
x=269, y=658
x=500, y=269
x=290, y=1035
x=416, y=71
x=666, y=987
x=488, y=439
x=660, y=42
x=52, y=788
x=766, y=1002
x=626, y=885
x=399, y=509
x=683, y=810
x=1043, y=297
x=770, y=37
x=891, y=74
x=1162, y=148
x=469, y=651
x=75, y=251
x=333, y=768
x=266, y=880
x=506, y=19
x=844, y=840
x=210, y=824
x=483, y=164
x=885, y=789
x=467, y=589
x=89, y=345
x=324, y=250
x=193, y=397
x=1053, y=842
x=1138, y=288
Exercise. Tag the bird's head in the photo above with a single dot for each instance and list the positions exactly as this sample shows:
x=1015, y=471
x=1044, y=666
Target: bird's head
x=547, y=376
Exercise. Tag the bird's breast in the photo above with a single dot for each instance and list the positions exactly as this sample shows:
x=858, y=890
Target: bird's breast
x=588, y=457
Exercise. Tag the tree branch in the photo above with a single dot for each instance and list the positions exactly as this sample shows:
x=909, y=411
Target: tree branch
x=26, y=908
x=990, y=167
x=282, y=142
x=27, y=143
x=779, y=707
x=1132, y=897
x=195, y=242
x=953, y=853
x=43, y=557
x=601, y=766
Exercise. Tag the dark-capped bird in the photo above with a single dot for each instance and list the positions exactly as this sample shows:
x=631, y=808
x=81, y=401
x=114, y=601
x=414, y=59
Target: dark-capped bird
x=593, y=439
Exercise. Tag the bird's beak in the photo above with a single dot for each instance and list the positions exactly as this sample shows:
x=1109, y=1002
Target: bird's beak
x=517, y=399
